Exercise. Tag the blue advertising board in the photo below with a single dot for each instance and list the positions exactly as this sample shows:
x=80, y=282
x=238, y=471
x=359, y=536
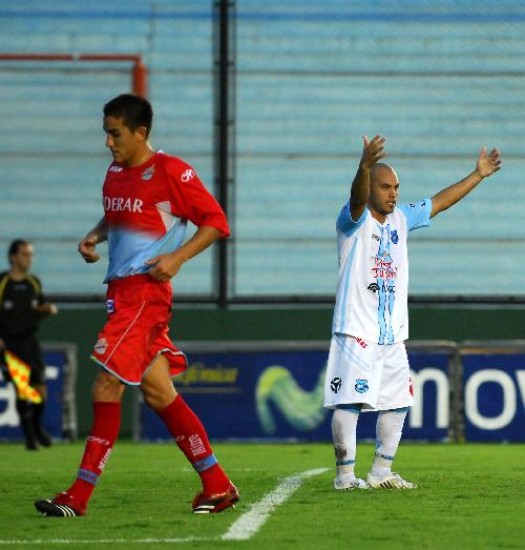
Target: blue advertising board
x=494, y=394
x=59, y=363
x=257, y=392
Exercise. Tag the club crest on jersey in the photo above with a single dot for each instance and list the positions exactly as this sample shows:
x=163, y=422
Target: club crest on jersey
x=110, y=306
x=187, y=175
x=394, y=237
x=148, y=173
x=361, y=385
x=101, y=346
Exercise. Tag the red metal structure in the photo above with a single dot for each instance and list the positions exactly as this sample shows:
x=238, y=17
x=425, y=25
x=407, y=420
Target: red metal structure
x=139, y=72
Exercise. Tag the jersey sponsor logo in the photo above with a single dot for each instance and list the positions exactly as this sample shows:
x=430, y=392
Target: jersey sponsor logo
x=394, y=237
x=8, y=304
x=374, y=287
x=187, y=175
x=335, y=384
x=101, y=346
x=361, y=385
x=384, y=269
x=116, y=169
x=122, y=204
x=148, y=173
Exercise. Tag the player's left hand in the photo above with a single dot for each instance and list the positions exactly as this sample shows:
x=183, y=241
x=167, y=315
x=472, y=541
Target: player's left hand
x=165, y=266
x=488, y=163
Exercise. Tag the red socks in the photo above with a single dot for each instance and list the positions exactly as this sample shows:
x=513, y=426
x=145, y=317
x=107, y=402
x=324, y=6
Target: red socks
x=183, y=424
x=104, y=433
x=191, y=437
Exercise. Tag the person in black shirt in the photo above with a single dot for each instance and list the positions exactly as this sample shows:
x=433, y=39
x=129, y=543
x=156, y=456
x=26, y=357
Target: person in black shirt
x=22, y=306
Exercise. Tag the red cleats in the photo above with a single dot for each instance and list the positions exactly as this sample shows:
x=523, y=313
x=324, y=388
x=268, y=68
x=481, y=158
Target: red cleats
x=216, y=502
x=62, y=506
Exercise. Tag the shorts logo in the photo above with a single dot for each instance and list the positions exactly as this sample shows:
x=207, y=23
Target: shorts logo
x=187, y=175
x=336, y=384
x=361, y=385
x=101, y=346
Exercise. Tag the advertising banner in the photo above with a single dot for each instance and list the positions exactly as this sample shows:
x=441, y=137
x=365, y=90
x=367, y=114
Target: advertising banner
x=59, y=415
x=493, y=381
x=257, y=391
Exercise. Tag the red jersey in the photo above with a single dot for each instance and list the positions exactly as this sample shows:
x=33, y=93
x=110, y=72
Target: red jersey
x=147, y=208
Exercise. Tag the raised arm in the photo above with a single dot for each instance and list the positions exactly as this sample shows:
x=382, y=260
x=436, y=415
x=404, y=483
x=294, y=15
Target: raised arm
x=487, y=164
x=373, y=151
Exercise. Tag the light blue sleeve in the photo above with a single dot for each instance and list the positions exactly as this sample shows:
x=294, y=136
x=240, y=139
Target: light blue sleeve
x=345, y=224
x=417, y=214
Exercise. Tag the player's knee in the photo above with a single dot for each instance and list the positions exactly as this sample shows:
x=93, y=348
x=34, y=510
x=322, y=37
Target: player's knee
x=158, y=400
x=107, y=388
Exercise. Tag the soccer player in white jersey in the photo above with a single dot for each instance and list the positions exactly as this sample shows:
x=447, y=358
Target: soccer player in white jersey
x=368, y=366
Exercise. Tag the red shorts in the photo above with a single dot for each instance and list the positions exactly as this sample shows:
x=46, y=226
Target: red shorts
x=136, y=330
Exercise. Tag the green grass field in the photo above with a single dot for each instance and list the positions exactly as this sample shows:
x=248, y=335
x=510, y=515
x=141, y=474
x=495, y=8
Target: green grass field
x=470, y=496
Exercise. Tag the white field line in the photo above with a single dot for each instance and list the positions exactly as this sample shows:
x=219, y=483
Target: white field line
x=250, y=522
x=242, y=529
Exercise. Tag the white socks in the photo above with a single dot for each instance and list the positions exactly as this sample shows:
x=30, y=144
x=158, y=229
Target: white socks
x=344, y=426
x=389, y=429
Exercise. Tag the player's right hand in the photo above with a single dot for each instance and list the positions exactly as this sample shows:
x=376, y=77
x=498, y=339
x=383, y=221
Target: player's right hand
x=87, y=249
x=373, y=151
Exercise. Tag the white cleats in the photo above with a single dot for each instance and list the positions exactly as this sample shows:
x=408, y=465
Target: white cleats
x=391, y=481
x=348, y=483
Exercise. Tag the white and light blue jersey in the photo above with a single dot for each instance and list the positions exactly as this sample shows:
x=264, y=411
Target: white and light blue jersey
x=372, y=287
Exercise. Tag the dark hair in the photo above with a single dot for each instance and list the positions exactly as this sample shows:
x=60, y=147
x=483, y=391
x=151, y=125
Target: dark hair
x=14, y=247
x=134, y=110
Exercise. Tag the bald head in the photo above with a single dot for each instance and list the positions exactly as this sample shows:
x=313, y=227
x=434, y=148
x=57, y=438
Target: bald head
x=384, y=189
x=380, y=171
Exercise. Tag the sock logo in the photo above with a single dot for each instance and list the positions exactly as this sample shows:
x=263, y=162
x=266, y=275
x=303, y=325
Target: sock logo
x=99, y=440
x=104, y=460
x=196, y=445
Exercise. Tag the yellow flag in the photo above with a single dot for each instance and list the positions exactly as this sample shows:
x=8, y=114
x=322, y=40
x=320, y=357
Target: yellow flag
x=20, y=371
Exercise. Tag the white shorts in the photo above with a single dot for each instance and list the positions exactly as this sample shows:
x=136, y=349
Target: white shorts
x=372, y=375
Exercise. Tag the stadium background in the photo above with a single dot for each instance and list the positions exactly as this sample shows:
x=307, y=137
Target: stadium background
x=437, y=78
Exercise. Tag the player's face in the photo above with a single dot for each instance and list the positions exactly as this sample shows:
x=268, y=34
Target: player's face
x=126, y=146
x=23, y=259
x=384, y=192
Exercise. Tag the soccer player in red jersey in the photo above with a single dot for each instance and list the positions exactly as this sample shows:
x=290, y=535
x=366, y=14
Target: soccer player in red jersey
x=148, y=197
